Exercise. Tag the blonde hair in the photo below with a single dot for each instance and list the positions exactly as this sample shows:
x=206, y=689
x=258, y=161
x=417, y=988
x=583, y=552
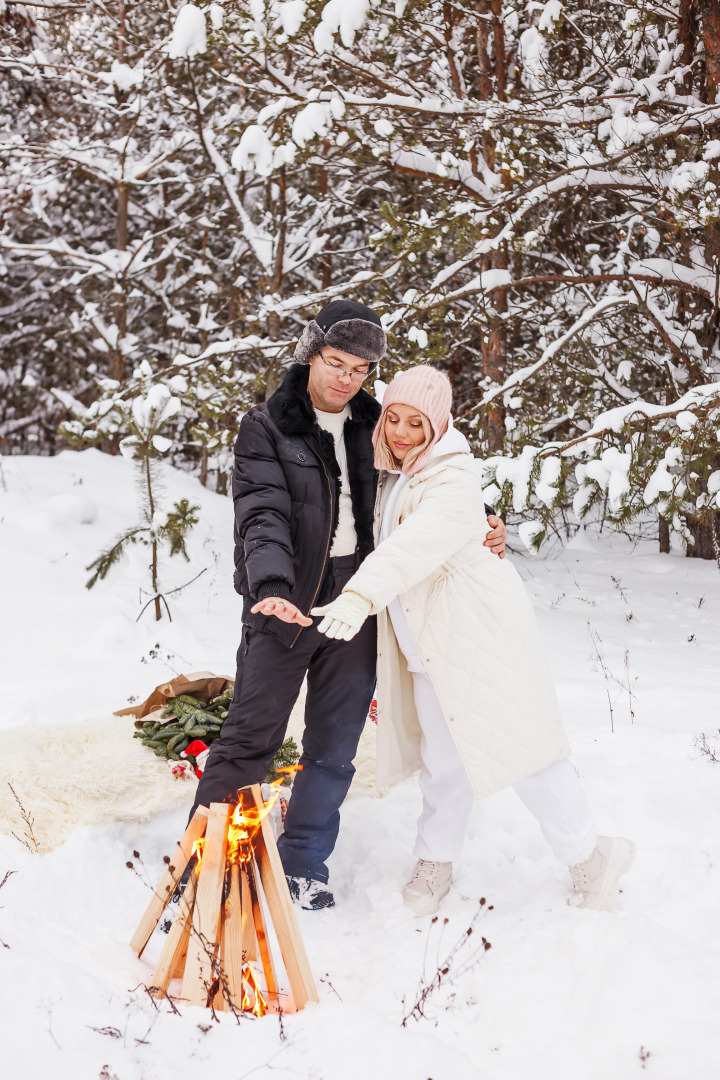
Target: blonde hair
x=384, y=457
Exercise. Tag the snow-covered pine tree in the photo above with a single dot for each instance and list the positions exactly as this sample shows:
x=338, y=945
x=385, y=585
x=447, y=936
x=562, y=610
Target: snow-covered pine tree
x=560, y=238
x=143, y=419
x=527, y=192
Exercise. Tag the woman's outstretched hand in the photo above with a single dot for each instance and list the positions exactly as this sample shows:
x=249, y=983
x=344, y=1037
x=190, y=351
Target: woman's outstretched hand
x=344, y=616
x=281, y=609
x=497, y=537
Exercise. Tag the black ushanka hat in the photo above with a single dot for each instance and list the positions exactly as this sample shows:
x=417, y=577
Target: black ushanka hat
x=345, y=325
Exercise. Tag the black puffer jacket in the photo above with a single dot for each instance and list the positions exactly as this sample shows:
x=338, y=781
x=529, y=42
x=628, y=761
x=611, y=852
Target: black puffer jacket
x=285, y=487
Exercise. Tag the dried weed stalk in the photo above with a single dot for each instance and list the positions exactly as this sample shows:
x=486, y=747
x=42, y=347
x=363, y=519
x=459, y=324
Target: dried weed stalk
x=8, y=874
x=461, y=958
x=709, y=745
x=627, y=684
x=28, y=840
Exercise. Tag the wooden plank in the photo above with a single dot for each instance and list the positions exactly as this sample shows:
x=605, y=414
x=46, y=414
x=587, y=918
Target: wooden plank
x=250, y=870
x=180, y=965
x=232, y=953
x=169, y=880
x=280, y=906
x=198, y=976
x=220, y=1001
x=249, y=938
x=176, y=942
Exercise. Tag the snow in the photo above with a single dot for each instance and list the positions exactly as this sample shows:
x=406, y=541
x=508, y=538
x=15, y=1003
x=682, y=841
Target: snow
x=562, y=993
x=686, y=420
x=383, y=128
x=315, y=119
x=550, y=17
x=660, y=480
x=345, y=17
x=515, y=471
x=189, y=36
x=217, y=16
x=528, y=531
x=254, y=151
x=545, y=488
x=495, y=279
x=291, y=14
x=123, y=76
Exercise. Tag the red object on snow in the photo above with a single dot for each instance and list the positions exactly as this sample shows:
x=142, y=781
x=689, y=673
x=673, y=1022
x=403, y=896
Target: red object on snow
x=196, y=748
x=372, y=715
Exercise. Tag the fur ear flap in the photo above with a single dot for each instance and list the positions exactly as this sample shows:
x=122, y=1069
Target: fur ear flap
x=309, y=344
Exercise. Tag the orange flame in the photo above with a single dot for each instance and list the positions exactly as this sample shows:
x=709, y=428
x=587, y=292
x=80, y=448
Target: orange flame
x=197, y=849
x=252, y=996
x=245, y=823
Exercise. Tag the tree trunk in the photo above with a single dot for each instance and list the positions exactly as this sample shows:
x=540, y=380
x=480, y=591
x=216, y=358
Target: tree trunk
x=499, y=50
x=153, y=542
x=493, y=76
x=687, y=38
x=664, y=535
x=710, y=13
x=117, y=359
x=326, y=273
x=707, y=539
x=158, y=609
x=275, y=283
x=494, y=354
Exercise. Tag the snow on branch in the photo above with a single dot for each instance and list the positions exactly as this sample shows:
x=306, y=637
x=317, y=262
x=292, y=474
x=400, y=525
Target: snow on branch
x=589, y=316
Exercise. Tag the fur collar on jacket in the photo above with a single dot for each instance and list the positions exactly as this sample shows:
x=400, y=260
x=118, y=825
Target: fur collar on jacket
x=292, y=412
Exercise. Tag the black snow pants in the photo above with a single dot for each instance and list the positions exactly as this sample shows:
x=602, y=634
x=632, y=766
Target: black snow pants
x=340, y=686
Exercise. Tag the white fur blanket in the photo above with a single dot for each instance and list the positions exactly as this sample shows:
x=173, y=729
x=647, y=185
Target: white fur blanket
x=94, y=773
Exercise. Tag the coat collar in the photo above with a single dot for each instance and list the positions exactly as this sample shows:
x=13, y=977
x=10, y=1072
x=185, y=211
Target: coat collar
x=292, y=411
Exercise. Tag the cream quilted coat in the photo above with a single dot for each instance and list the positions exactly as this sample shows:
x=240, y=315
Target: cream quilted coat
x=477, y=637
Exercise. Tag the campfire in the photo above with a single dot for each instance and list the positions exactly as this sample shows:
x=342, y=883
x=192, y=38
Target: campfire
x=220, y=930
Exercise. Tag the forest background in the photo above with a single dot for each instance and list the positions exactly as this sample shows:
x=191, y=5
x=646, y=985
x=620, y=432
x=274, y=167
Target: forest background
x=527, y=192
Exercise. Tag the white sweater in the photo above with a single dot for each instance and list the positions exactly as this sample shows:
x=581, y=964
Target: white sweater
x=345, y=539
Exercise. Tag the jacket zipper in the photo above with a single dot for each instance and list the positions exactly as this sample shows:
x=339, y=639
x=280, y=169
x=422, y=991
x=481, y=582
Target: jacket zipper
x=327, y=544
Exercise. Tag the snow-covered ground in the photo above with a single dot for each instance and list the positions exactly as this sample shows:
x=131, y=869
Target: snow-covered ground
x=560, y=994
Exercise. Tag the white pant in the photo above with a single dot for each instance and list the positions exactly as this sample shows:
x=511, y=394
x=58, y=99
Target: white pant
x=555, y=795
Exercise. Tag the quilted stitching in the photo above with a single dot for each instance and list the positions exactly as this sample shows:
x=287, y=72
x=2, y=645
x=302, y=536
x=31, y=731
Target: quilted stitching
x=477, y=636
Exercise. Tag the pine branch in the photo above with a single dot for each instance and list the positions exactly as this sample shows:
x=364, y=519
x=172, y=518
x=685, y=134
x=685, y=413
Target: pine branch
x=104, y=562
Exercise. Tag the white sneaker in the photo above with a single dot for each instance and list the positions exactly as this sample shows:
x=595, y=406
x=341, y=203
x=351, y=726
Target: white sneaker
x=430, y=881
x=596, y=879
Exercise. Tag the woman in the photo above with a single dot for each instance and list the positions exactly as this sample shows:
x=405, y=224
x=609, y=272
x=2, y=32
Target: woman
x=464, y=693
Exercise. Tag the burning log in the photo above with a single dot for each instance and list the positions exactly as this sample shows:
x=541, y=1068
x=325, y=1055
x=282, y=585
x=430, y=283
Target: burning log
x=221, y=924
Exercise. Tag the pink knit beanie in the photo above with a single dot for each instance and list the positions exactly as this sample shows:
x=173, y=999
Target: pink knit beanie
x=429, y=391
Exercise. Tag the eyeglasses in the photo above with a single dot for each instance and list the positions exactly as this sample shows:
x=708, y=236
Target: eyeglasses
x=340, y=370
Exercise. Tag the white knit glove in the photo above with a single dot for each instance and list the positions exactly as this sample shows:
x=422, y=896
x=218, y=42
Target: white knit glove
x=343, y=616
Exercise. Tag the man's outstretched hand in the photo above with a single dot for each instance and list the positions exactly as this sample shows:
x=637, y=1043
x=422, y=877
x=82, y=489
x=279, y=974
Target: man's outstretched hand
x=281, y=609
x=497, y=537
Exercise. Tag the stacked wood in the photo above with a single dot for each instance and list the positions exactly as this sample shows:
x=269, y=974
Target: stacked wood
x=221, y=925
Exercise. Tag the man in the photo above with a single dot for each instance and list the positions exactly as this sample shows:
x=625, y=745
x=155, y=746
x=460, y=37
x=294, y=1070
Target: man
x=304, y=494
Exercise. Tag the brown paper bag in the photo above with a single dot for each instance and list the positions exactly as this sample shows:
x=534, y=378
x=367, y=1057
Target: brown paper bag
x=203, y=685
